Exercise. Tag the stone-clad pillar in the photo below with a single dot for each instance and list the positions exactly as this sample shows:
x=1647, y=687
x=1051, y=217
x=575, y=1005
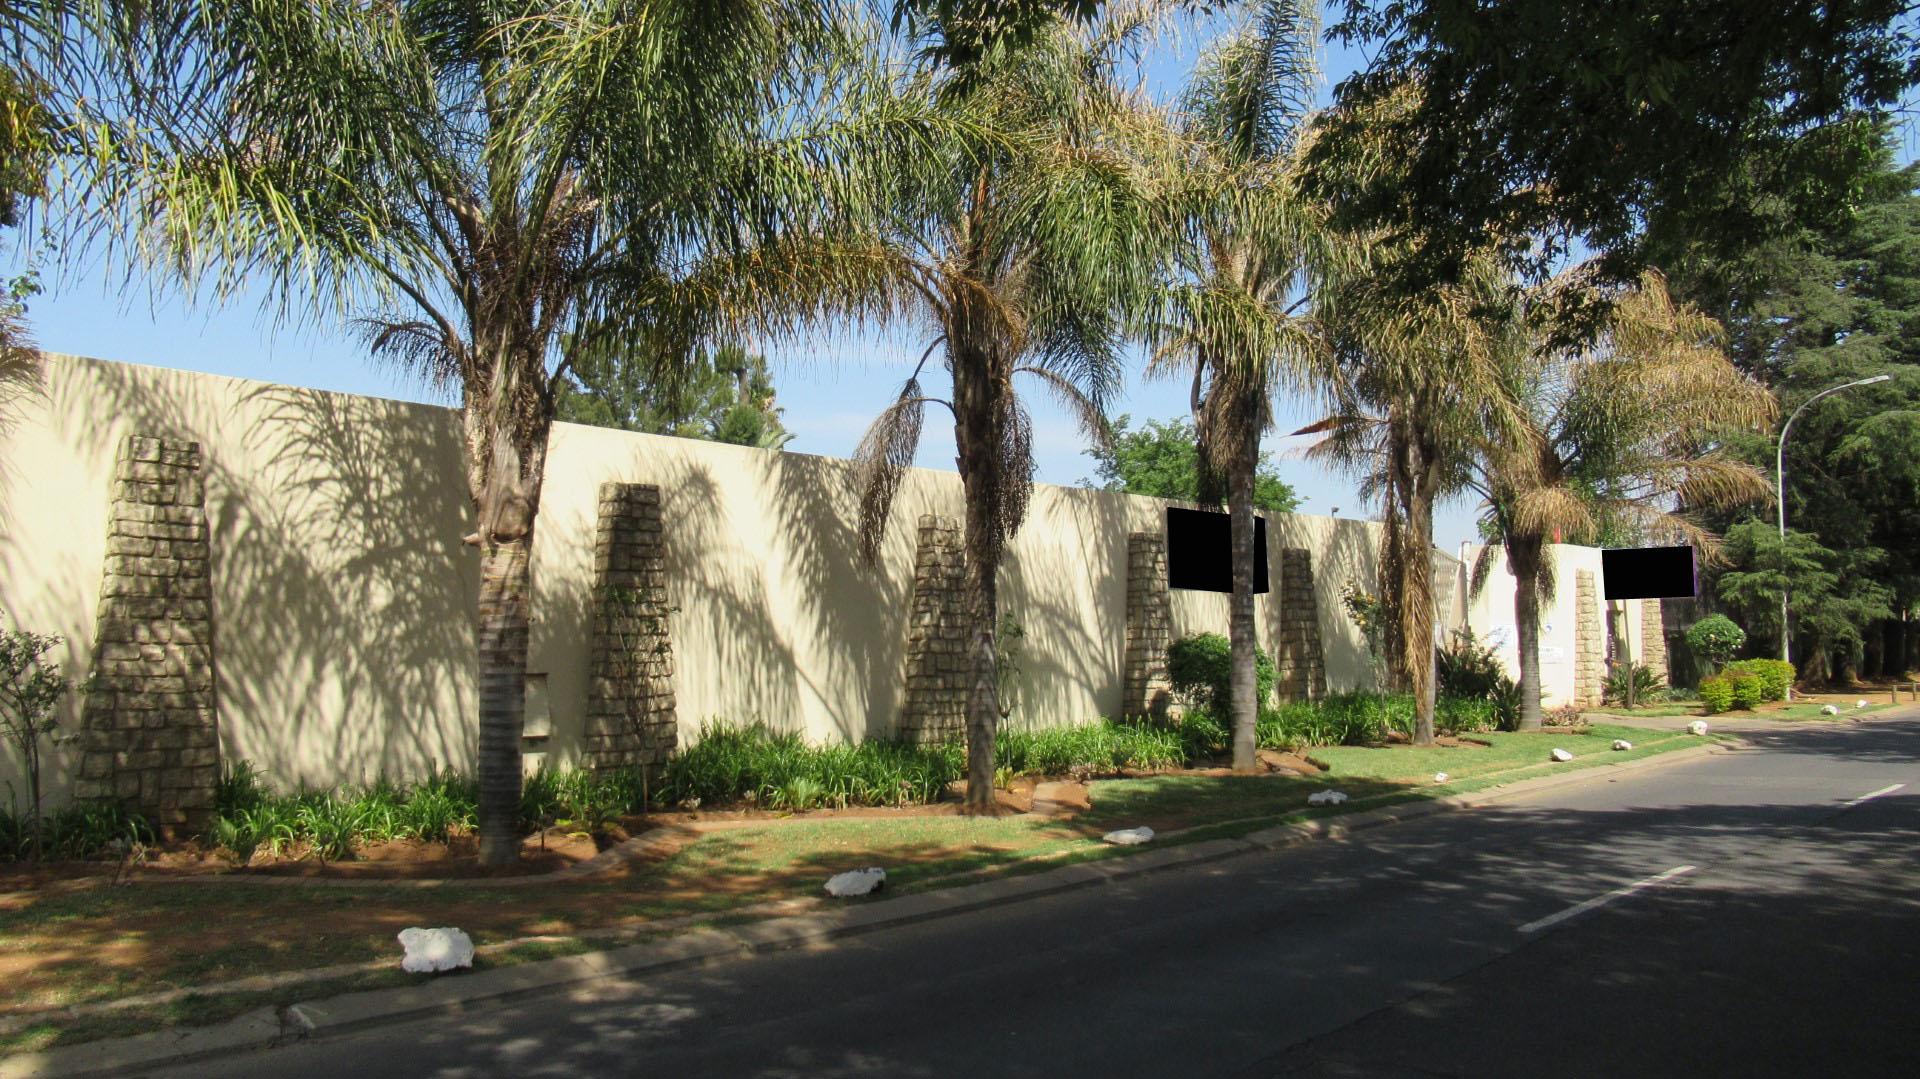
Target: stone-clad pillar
x=150, y=732
x=935, y=708
x=631, y=718
x=1653, y=639
x=1147, y=689
x=1300, y=667
x=1589, y=641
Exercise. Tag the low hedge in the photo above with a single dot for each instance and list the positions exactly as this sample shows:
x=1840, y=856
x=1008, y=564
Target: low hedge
x=1775, y=675
x=1716, y=693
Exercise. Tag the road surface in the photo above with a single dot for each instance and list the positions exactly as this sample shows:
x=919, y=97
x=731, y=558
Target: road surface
x=1753, y=913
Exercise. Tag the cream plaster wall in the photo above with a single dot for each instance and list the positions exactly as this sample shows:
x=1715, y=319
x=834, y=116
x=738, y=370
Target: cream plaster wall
x=343, y=597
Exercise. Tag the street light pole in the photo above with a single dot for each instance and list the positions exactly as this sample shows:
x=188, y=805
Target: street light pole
x=1780, y=498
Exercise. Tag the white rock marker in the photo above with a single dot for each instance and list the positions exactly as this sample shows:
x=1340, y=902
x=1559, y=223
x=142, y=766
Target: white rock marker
x=1860, y=704
x=1622, y=743
x=1440, y=777
x=1129, y=837
x=856, y=882
x=432, y=950
x=1698, y=728
x=1562, y=755
x=1830, y=710
x=1326, y=798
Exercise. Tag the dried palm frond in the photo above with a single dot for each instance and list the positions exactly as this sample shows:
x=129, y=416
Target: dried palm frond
x=885, y=453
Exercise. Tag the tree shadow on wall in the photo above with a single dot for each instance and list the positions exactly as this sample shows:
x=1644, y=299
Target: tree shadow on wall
x=343, y=598
x=1067, y=587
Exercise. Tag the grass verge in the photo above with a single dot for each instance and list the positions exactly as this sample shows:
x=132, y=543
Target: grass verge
x=93, y=943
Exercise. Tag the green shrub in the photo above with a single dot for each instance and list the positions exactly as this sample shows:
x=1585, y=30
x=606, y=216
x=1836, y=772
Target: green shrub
x=1465, y=716
x=82, y=830
x=1748, y=689
x=1467, y=669
x=1201, y=670
x=727, y=763
x=1645, y=685
x=1715, y=639
x=1775, y=675
x=1716, y=693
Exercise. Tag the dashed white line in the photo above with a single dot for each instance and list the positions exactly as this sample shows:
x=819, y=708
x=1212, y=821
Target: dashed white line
x=1602, y=900
x=1871, y=795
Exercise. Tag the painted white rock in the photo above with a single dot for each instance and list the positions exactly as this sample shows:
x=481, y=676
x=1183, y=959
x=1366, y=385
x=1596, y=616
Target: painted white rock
x=856, y=882
x=1830, y=710
x=1326, y=798
x=1698, y=728
x=1562, y=755
x=1129, y=837
x=1440, y=777
x=1622, y=743
x=433, y=950
x=1860, y=704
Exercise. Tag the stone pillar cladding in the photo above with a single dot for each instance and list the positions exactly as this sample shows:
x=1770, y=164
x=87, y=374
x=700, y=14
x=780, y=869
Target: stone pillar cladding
x=935, y=708
x=1653, y=639
x=631, y=718
x=1147, y=689
x=1589, y=641
x=149, y=725
x=1300, y=665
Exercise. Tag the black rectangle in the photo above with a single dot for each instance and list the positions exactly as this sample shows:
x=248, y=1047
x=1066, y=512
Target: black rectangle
x=1200, y=551
x=1649, y=573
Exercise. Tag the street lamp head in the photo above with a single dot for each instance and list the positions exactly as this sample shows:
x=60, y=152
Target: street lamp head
x=1874, y=379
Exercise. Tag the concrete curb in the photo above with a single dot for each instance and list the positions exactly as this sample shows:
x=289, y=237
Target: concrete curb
x=266, y=1028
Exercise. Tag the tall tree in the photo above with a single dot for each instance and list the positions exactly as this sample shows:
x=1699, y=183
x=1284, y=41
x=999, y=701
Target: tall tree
x=1628, y=433
x=722, y=395
x=1556, y=121
x=522, y=181
x=1814, y=304
x=1419, y=391
x=1018, y=259
x=29, y=134
x=1236, y=313
x=1836, y=600
x=1162, y=459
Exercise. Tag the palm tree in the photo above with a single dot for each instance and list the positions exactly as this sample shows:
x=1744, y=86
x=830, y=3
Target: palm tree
x=1419, y=394
x=1236, y=310
x=522, y=183
x=1623, y=435
x=1016, y=257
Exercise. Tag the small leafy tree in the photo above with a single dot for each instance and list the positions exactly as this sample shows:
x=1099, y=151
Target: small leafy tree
x=1715, y=639
x=1162, y=459
x=29, y=689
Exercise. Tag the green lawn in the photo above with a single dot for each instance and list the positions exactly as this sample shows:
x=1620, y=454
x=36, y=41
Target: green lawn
x=91, y=942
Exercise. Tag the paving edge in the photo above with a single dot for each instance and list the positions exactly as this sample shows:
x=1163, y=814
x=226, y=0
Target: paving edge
x=268, y=1027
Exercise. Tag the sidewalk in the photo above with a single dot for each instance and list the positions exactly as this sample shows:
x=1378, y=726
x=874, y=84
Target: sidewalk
x=269, y=1026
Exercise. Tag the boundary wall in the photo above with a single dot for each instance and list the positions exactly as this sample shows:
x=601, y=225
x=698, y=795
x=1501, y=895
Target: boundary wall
x=338, y=599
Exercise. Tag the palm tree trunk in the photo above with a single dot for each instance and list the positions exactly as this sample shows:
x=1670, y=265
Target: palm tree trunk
x=505, y=607
x=978, y=413
x=1242, y=682
x=1418, y=567
x=1523, y=559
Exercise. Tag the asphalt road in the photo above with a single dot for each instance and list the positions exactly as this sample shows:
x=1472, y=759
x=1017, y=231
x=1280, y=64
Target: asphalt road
x=1781, y=937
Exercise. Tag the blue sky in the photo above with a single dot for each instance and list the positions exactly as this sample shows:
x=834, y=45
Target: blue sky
x=831, y=385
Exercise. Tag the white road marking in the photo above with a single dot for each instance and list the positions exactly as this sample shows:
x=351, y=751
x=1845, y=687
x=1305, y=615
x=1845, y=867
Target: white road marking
x=1871, y=795
x=1602, y=900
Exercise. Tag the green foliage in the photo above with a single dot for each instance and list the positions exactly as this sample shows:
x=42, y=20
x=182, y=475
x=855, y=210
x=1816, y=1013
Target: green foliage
x=1715, y=638
x=1094, y=748
x=1201, y=670
x=1748, y=689
x=726, y=395
x=1775, y=675
x=727, y=764
x=1835, y=595
x=1162, y=459
x=1645, y=685
x=1338, y=719
x=1469, y=672
x=1716, y=693
x=82, y=830
x=1605, y=106
x=1467, y=716
x=30, y=687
